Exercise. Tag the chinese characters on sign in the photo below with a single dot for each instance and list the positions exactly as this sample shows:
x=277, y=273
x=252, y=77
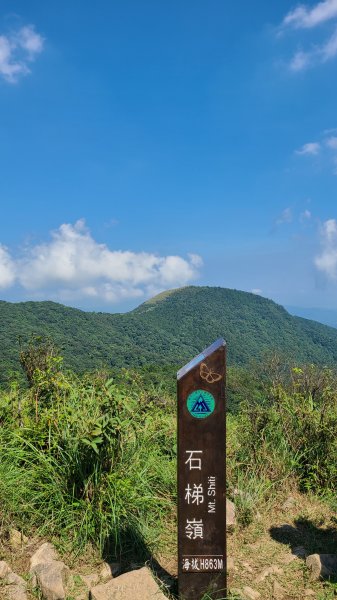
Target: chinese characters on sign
x=194, y=528
x=203, y=563
x=201, y=475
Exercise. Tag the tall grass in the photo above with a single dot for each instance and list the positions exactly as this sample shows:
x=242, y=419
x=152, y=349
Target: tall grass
x=288, y=438
x=98, y=465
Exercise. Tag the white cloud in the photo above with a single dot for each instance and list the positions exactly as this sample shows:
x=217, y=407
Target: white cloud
x=326, y=262
x=29, y=40
x=7, y=268
x=256, y=291
x=303, y=17
x=196, y=260
x=300, y=61
x=73, y=265
x=331, y=142
x=285, y=217
x=329, y=49
x=311, y=148
x=17, y=51
x=319, y=55
x=305, y=216
x=330, y=131
x=327, y=146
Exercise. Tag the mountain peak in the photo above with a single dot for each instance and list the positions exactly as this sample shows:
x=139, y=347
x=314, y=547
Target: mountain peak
x=171, y=328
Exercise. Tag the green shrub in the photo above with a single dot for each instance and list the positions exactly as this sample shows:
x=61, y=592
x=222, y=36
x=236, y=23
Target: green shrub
x=292, y=432
x=97, y=466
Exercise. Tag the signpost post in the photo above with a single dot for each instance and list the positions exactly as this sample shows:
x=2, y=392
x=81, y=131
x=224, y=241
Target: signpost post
x=201, y=475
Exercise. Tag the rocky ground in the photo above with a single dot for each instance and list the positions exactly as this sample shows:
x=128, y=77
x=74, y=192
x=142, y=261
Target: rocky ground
x=288, y=552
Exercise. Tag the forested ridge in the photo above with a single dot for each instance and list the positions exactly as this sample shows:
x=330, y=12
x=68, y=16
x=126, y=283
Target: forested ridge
x=167, y=330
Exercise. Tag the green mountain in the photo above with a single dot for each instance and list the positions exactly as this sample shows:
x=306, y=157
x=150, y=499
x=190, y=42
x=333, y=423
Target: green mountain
x=168, y=329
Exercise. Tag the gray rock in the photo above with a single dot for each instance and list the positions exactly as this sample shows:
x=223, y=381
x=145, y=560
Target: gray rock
x=16, y=539
x=322, y=566
x=250, y=594
x=136, y=585
x=51, y=578
x=14, y=579
x=4, y=569
x=272, y=570
x=45, y=554
x=278, y=591
x=16, y=592
x=48, y=573
x=289, y=503
x=247, y=566
x=230, y=514
x=15, y=586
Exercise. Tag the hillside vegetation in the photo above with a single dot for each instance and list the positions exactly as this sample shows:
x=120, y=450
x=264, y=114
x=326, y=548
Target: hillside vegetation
x=89, y=462
x=167, y=330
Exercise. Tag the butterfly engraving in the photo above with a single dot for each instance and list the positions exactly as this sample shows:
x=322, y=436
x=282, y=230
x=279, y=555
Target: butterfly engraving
x=208, y=374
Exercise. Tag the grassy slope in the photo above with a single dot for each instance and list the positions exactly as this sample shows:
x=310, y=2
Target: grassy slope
x=168, y=329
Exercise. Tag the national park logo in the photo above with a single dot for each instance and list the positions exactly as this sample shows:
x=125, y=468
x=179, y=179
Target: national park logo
x=200, y=404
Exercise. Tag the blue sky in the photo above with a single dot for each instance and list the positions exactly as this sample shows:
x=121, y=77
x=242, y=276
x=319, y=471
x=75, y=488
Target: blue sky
x=150, y=145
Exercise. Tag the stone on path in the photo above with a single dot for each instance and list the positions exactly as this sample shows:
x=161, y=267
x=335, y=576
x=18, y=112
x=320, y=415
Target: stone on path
x=247, y=566
x=278, y=591
x=272, y=570
x=250, y=594
x=230, y=514
x=14, y=579
x=15, y=587
x=289, y=503
x=4, y=569
x=16, y=592
x=48, y=573
x=16, y=539
x=136, y=585
x=45, y=554
x=52, y=578
x=322, y=566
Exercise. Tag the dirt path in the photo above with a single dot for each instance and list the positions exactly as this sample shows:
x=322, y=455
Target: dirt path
x=269, y=555
x=266, y=557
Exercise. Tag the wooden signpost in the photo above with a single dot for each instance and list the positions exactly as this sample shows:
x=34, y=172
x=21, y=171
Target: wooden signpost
x=201, y=475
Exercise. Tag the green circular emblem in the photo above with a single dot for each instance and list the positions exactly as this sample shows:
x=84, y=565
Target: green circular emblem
x=200, y=404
